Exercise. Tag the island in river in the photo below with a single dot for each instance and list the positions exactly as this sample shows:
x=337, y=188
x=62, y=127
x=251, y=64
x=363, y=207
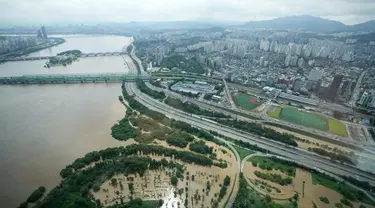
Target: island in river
x=64, y=58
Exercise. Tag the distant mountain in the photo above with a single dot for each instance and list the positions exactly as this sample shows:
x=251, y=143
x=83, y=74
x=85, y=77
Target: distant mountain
x=302, y=22
x=368, y=26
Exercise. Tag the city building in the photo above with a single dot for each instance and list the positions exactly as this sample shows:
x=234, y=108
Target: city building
x=39, y=35
x=159, y=55
x=44, y=32
x=366, y=98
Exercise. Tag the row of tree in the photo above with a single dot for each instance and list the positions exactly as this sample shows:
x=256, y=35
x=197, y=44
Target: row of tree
x=224, y=188
x=134, y=104
x=110, y=153
x=334, y=156
x=261, y=131
x=152, y=93
x=276, y=178
x=192, y=108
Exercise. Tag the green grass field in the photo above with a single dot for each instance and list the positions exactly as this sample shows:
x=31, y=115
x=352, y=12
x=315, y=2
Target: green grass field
x=270, y=163
x=337, y=127
x=242, y=152
x=274, y=112
x=312, y=120
x=303, y=118
x=244, y=100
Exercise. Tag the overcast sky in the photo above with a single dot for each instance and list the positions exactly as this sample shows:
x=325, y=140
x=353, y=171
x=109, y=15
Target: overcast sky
x=84, y=11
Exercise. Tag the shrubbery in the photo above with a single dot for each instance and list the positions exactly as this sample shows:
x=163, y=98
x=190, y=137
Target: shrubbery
x=346, y=202
x=324, y=199
x=192, y=108
x=37, y=194
x=274, y=178
x=123, y=130
x=200, y=147
x=332, y=155
x=152, y=93
x=261, y=131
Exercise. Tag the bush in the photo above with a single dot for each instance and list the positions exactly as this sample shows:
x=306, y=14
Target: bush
x=152, y=93
x=123, y=130
x=339, y=205
x=332, y=155
x=96, y=187
x=200, y=147
x=346, y=202
x=274, y=178
x=176, y=141
x=192, y=108
x=224, y=188
x=23, y=205
x=174, y=181
x=37, y=194
x=324, y=199
x=226, y=181
x=258, y=129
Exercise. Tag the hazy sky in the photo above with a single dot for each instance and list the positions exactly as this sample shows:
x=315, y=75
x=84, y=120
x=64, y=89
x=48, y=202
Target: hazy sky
x=83, y=11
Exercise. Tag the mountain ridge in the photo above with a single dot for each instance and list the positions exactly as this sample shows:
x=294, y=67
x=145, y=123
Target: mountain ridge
x=310, y=23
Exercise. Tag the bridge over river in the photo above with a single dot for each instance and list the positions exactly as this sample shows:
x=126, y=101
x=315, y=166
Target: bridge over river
x=83, y=55
x=71, y=78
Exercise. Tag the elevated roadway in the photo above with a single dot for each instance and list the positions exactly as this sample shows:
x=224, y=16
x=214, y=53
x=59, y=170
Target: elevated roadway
x=71, y=78
x=83, y=55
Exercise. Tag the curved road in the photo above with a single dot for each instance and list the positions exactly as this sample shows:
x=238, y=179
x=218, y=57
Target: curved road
x=235, y=184
x=331, y=175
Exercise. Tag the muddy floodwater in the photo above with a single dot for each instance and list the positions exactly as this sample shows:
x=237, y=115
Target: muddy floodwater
x=46, y=127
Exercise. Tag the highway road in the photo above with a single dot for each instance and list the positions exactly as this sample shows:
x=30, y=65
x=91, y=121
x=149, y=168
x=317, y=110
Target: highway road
x=242, y=115
x=263, y=117
x=301, y=156
x=298, y=155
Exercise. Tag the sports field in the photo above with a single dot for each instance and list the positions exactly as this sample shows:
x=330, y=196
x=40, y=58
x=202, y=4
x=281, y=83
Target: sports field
x=312, y=120
x=303, y=118
x=246, y=101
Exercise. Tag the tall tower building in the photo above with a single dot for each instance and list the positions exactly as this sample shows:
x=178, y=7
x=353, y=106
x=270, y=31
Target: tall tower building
x=44, y=32
x=365, y=99
x=39, y=35
x=334, y=88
